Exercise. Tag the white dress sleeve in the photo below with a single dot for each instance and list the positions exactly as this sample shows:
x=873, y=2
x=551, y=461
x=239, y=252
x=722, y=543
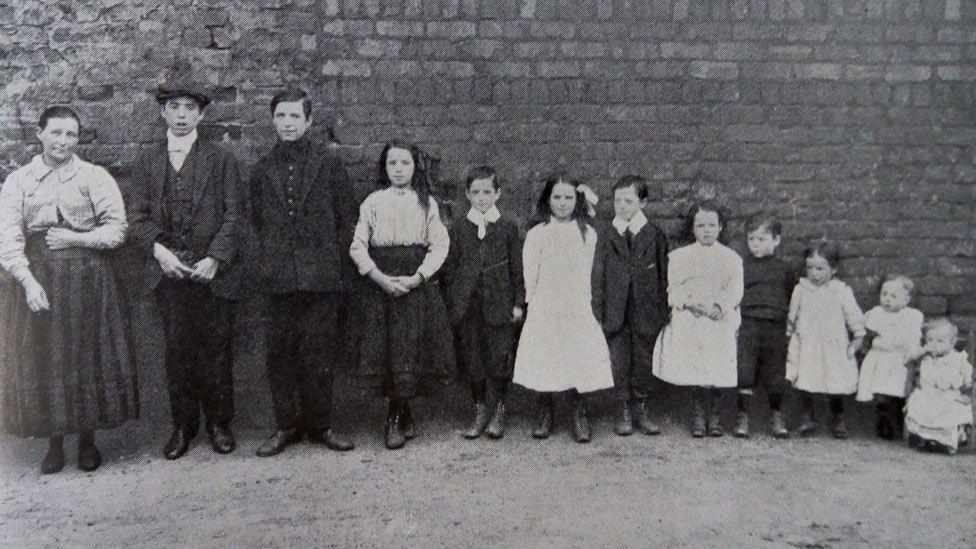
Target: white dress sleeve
x=359, y=249
x=852, y=312
x=733, y=287
x=438, y=243
x=532, y=260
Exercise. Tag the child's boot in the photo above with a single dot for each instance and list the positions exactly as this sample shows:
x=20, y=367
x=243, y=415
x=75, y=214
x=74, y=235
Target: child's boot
x=810, y=423
x=698, y=422
x=742, y=425
x=543, y=427
x=742, y=418
x=625, y=419
x=777, y=427
x=714, y=421
x=581, y=424
x=89, y=458
x=53, y=461
x=407, y=425
x=837, y=409
x=496, y=426
x=840, y=427
x=882, y=426
x=644, y=422
x=481, y=412
x=392, y=432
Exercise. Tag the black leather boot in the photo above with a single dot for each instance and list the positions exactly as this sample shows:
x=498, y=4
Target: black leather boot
x=393, y=431
x=544, y=411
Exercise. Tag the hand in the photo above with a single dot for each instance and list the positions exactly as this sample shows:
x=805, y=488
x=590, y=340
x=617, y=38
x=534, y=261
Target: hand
x=60, y=239
x=170, y=264
x=409, y=282
x=36, y=297
x=517, y=314
x=390, y=285
x=204, y=270
x=714, y=313
x=915, y=354
x=854, y=346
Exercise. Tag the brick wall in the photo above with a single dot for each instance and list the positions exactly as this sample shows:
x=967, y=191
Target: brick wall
x=853, y=119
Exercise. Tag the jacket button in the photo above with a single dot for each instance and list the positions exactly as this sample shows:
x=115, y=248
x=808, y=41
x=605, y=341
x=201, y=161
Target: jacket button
x=291, y=212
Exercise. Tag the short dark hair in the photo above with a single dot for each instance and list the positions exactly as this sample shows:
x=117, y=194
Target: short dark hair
x=764, y=220
x=482, y=172
x=704, y=206
x=292, y=94
x=826, y=249
x=637, y=182
x=57, y=111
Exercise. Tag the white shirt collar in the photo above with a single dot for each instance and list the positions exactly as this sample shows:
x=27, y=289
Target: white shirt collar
x=483, y=219
x=635, y=224
x=182, y=144
x=40, y=169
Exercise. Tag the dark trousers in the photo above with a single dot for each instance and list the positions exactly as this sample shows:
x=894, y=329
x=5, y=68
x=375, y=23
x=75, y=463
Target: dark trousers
x=630, y=358
x=199, y=368
x=485, y=349
x=761, y=357
x=302, y=350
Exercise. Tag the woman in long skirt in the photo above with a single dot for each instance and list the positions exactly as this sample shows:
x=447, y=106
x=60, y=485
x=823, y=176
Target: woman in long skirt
x=65, y=362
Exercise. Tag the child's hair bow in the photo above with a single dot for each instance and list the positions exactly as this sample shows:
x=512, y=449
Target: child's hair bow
x=591, y=198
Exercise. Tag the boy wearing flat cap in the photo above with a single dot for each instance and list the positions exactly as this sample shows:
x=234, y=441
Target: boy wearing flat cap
x=185, y=218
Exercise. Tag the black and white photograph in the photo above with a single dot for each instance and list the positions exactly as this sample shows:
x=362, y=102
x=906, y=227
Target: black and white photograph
x=487, y=273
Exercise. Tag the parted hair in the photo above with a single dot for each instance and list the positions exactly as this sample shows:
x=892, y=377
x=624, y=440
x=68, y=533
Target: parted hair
x=57, y=111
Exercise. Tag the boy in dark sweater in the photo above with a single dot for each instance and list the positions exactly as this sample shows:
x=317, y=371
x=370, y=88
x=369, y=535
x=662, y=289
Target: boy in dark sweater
x=762, y=342
x=485, y=297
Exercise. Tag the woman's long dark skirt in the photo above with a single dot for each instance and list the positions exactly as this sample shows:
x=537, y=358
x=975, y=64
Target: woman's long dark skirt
x=402, y=345
x=70, y=368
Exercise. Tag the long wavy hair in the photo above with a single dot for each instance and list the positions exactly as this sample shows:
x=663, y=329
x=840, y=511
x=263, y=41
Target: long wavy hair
x=543, y=212
x=421, y=181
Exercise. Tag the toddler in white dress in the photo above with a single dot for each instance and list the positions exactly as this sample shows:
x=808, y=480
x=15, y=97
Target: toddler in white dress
x=826, y=329
x=940, y=406
x=895, y=332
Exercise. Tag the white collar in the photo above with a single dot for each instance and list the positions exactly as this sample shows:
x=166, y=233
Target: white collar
x=635, y=224
x=491, y=216
x=40, y=169
x=481, y=220
x=183, y=144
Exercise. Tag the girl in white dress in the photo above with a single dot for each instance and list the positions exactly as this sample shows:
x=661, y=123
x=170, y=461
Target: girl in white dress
x=562, y=346
x=823, y=318
x=940, y=406
x=698, y=348
x=895, y=332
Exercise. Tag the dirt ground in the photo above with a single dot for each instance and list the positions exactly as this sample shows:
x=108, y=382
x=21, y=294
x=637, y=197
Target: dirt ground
x=442, y=490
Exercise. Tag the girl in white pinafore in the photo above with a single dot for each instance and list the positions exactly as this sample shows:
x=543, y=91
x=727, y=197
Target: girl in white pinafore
x=698, y=347
x=562, y=346
x=885, y=376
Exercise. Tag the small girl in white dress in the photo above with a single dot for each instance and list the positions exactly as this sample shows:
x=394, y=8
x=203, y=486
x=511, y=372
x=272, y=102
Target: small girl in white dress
x=826, y=329
x=562, y=346
x=895, y=332
x=940, y=406
x=698, y=347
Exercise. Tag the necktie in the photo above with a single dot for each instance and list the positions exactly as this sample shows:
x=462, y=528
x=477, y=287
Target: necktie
x=630, y=239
